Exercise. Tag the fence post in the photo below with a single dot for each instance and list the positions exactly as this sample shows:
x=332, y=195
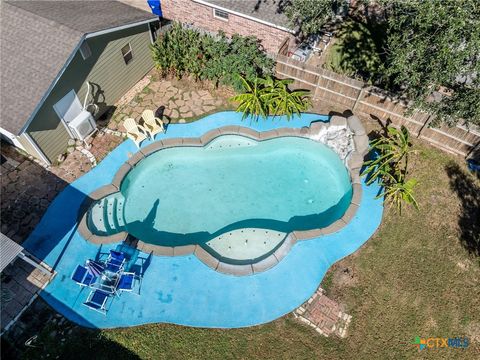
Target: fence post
x=317, y=86
x=360, y=94
x=423, y=126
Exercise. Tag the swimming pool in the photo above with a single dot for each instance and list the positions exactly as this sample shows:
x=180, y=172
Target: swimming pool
x=223, y=194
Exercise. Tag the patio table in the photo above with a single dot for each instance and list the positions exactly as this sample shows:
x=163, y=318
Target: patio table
x=107, y=282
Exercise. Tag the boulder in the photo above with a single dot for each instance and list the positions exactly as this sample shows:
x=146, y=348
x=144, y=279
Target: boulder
x=337, y=120
x=356, y=125
x=361, y=144
x=355, y=161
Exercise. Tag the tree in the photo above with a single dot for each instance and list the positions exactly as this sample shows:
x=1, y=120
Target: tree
x=434, y=45
x=253, y=101
x=310, y=16
x=389, y=165
x=283, y=101
x=270, y=96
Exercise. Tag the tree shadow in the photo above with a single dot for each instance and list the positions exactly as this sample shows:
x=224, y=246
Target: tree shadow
x=468, y=192
x=160, y=113
x=346, y=113
x=357, y=50
x=151, y=232
x=39, y=334
x=383, y=125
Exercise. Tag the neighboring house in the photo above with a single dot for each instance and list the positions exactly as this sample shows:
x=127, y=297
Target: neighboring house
x=50, y=50
x=263, y=19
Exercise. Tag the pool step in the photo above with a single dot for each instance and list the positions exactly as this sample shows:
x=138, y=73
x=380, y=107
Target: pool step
x=108, y=211
x=119, y=212
x=96, y=217
x=106, y=216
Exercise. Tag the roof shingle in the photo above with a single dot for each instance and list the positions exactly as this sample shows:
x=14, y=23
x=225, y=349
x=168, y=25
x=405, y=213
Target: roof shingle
x=265, y=10
x=37, y=38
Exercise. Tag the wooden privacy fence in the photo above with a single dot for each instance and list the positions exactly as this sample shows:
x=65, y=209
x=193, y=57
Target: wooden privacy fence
x=370, y=102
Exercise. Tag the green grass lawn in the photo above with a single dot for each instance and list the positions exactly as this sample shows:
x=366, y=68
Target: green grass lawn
x=357, y=50
x=413, y=278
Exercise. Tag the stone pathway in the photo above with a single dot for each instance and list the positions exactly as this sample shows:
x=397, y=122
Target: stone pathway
x=324, y=315
x=103, y=143
x=172, y=100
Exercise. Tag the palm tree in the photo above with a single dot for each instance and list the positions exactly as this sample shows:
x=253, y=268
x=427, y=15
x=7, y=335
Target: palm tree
x=390, y=165
x=399, y=191
x=283, y=101
x=392, y=154
x=271, y=96
x=253, y=101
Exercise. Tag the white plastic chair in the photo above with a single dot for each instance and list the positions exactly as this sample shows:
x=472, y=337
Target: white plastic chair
x=152, y=124
x=135, y=132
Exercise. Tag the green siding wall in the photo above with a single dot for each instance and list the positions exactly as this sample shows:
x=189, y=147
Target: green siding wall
x=28, y=147
x=106, y=69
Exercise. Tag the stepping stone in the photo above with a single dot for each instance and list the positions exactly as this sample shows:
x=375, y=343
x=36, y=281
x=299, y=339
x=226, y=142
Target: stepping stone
x=155, y=86
x=165, y=85
x=187, y=114
x=207, y=97
x=184, y=108
x=208, y=108
x=198, y=111
x=180, y=103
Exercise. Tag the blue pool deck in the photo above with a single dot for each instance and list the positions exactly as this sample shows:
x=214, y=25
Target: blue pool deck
x=182, y=290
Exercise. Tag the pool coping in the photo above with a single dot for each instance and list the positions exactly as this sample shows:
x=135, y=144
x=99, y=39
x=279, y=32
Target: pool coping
x=354, y=164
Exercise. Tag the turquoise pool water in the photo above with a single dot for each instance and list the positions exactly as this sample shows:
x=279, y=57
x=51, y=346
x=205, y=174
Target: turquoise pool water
x=188, y=195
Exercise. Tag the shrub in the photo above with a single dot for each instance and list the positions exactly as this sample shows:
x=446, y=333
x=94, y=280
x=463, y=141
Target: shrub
x=270, y=96
x=181, y=51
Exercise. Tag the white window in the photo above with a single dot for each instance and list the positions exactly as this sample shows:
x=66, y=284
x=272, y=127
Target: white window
x=220, y=14
x=85, y=50
x=127, y=53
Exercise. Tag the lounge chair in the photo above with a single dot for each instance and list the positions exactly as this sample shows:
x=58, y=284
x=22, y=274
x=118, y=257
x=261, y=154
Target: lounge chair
x=135, y=132
x=127, y=281
x=115, y=261
x=117, y=255
x=83, y=277
x=97, y=300
x=152, y=124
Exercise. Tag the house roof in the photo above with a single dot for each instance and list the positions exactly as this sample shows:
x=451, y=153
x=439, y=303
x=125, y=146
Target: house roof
x=268, y=11
x=9, y=250
x=37, y=40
